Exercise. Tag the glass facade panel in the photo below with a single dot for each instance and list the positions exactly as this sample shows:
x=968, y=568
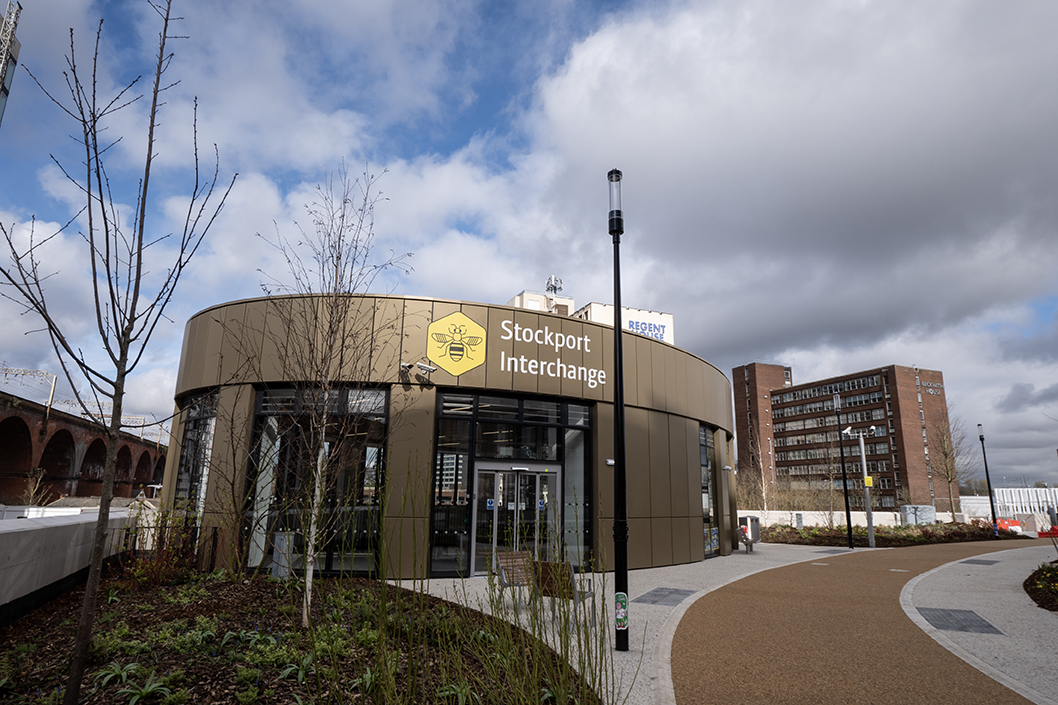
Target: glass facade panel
x=457, y=405
x=498, y=408
x=453, y=436
x=497, y=440
x=578, y=415
x=542, y=412
x=710, y=523
x=305, y=437
x=516, y=430
x=196, y=451
x=576, y=525
x=539, y=443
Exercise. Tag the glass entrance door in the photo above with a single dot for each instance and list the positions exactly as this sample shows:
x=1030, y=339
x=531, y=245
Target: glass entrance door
x=516, y=508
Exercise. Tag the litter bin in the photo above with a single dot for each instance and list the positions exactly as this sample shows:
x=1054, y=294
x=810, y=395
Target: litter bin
x=749, y=531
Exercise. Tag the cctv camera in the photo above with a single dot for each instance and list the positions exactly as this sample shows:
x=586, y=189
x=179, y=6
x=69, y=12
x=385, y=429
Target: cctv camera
x=848, y=431
x=406, y=366
x=425, y=368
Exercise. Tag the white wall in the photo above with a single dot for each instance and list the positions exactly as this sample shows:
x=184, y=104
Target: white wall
x=35, y=553
x=33, y=512
x=652, y=324
x=838, y=519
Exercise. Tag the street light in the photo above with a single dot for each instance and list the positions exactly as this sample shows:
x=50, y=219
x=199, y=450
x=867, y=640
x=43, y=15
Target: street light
x=866, y=480
x=991, y=501
x=844, y=475
x=620, y=514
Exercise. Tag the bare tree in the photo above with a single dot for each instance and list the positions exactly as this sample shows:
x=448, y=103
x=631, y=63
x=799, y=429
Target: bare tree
x=952, y=454
x=751, y=487
x=327, y=335
x=36, y=492
x=127, y=306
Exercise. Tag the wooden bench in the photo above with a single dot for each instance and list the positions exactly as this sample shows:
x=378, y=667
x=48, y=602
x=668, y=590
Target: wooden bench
x=557, y=581
x=515, y=571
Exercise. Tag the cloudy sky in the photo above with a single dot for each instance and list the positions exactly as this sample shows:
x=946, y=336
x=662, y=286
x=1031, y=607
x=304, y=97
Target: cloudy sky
x=828, y=185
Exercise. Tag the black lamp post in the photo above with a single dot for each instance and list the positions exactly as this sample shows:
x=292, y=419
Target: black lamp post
x=988, y=480
x=620, y=514
x=844, y=473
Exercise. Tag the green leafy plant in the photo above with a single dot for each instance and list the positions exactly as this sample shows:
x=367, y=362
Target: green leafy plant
x=301, y=669
x=248, y=696
x=180, y=697
x=112, y=596
x=367, y=682
x=366, y=637
x=114, y=671
x=247, y=676
x=186, y=595
x=1046, y=578
x=151, y=688
x=105, y=617
x=461, y=692
x=269, y=652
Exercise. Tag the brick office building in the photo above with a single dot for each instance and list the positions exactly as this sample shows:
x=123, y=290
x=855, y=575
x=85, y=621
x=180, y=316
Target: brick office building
x=788, y=434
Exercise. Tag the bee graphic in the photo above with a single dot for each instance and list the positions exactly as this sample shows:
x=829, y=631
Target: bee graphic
x=455, y=344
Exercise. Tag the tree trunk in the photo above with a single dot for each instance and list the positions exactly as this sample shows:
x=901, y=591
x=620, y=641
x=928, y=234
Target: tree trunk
x=310, y=542
x=95, y=566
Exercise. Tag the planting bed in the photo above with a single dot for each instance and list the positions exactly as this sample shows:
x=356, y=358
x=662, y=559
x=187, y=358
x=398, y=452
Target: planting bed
x=214, y=640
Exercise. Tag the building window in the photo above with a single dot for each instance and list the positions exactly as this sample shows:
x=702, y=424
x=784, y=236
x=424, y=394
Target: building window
x=305, y=435
x=196, y=451
x=707, y=453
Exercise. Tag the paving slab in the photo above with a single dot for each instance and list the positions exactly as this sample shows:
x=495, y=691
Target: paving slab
x=1008, y=637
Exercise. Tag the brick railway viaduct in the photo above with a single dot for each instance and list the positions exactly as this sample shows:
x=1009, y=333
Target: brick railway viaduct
x=70, y=451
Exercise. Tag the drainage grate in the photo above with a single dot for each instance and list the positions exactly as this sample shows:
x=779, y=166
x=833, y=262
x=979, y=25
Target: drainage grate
x=664, y=596
x=957, y=620
x=832, y=551
x=979, y=561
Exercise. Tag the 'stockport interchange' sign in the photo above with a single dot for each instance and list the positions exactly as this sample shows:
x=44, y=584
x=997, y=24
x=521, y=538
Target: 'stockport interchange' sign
x=549, y=368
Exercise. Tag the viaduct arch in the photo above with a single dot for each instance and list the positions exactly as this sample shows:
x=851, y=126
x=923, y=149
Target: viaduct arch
x=68, y=454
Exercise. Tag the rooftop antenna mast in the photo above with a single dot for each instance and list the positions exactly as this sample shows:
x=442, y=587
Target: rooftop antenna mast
x=554, y=285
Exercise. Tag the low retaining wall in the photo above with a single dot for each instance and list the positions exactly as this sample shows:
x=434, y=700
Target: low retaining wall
x=835, y=519
x=42, y=553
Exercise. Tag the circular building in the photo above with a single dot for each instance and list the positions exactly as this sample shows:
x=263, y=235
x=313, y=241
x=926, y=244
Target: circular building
x=414, y=436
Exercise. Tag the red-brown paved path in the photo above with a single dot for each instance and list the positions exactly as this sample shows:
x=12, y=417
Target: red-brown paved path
x=826, y=631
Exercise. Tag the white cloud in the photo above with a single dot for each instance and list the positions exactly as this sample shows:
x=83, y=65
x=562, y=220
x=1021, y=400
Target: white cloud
x=827, y=184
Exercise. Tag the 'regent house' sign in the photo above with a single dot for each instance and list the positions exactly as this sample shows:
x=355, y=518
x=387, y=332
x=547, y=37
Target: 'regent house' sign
x=651, y=330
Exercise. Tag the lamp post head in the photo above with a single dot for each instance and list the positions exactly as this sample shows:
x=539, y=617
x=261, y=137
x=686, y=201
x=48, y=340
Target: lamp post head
x=981, y=432
x=617, y=222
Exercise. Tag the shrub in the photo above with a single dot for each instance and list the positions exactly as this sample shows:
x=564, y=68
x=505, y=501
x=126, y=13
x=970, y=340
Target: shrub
x=170, y=557
x=885, y=536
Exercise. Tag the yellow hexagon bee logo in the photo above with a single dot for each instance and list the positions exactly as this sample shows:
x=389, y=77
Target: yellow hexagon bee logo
x=456, y=344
